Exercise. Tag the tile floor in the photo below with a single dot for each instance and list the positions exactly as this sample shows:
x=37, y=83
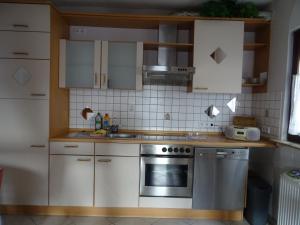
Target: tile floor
x=62, y=220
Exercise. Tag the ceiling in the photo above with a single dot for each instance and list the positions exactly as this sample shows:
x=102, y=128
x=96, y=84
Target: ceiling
x=139, y=4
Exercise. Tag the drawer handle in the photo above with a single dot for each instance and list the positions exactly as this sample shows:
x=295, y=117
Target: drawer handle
x=37, y=94
x=84, y=160
x=37, y=146
x=71, y=146
x=104, y=160
x=201, y=88
x=21, y=53
x=20, y=26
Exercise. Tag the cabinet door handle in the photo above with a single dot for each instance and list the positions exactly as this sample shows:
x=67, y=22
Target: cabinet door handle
x=37, y=146
x=20, y=26
x=104, y=79
x=37, y=94
x=104, y=160
x=21, y=53
x=96, y=79
x=84, y=160
x=71, y=146
x=201, y=88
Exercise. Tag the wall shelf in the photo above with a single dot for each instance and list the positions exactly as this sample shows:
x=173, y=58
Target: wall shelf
x=254, y=46
x=178, y=46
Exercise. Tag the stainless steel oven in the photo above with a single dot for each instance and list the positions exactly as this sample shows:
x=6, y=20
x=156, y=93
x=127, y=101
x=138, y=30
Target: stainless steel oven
x=166, y=170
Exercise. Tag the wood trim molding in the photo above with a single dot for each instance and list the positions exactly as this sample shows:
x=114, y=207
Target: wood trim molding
x=123, y=212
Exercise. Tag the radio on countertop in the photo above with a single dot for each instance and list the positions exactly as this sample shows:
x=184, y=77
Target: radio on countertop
x=242, y=133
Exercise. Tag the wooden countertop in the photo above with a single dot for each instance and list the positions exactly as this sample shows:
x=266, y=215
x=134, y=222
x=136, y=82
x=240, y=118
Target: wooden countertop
x=206, y=140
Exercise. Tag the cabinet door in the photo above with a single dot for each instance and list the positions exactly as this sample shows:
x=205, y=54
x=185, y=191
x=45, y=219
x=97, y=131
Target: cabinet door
x=25, y=176
x=21, y=78
x=24, y=124
x=71, y=180
x=116, y=181
x=24, y=45
x=24, y=17
x=79, y=64
x=121, y=66
x=218, y=56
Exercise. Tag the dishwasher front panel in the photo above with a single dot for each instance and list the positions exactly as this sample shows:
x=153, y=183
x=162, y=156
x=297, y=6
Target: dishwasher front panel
x=220, y=177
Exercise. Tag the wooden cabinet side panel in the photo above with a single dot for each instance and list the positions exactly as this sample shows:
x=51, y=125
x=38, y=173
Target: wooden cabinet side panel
x=59, y=98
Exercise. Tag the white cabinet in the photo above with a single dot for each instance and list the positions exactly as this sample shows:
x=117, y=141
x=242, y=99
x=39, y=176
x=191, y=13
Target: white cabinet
x=24, y=17
x=116, y=181
x=24, y=124
x=121, y=66
x=100, y=64
x=79, y=64
x=218, y=56
x=24, y=45
x=71, y=148
x=20, y=78
x=71, y=180
x=25, y=176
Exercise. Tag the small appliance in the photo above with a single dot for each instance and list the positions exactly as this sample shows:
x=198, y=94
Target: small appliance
x=242, y=133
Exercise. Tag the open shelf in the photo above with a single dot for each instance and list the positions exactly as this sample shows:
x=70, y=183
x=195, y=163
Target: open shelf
x=254, y=46
x=179, y=46
x=253, y=85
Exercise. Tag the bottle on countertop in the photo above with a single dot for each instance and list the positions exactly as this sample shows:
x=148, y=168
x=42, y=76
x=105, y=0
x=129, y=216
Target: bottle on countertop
x=98, y=121
x=106, y=121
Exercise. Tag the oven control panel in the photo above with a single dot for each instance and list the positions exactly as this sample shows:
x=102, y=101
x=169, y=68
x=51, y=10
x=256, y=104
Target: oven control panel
x=176, y=150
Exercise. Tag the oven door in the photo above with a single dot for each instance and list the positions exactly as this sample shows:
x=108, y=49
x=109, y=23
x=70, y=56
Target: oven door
x=165, y=176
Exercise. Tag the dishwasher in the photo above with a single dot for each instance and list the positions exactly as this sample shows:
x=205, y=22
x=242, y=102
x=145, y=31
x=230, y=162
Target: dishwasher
x=220, y=177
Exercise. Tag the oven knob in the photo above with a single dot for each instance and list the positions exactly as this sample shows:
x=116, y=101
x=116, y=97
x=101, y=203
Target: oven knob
x=187, y=150
x=182, y=150
x=175, y=149
x=170, y=150
x=164, y=149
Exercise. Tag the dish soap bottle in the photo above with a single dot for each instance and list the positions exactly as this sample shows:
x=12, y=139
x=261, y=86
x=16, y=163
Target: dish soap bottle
x=98, y=121
x=106, y=121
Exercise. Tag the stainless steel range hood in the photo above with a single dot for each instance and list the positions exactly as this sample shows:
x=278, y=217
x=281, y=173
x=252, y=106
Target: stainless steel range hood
x=167, y=71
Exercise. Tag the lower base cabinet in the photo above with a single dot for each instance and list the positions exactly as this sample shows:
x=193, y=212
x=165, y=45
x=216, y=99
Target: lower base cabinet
x=71, y=180
x=116, y=181
x=25, y=180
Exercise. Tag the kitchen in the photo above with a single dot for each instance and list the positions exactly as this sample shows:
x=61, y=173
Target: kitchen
x=60, y=66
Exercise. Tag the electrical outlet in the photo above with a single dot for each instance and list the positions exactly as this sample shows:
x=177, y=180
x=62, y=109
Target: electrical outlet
x=266, y=130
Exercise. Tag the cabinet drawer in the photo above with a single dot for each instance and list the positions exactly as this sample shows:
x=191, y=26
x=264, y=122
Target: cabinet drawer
x=117, y=149
x=24, y=17
x=71, y=148
x=20, y=78
x=24, y=45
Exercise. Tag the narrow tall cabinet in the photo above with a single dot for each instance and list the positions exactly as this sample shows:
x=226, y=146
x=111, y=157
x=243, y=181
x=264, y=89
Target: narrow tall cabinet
x=24, y=102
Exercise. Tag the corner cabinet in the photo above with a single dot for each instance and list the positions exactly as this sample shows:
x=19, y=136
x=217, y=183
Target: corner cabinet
x=101, y=64
x=218, y=56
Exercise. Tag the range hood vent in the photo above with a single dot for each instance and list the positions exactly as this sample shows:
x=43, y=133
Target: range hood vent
x=167, y=72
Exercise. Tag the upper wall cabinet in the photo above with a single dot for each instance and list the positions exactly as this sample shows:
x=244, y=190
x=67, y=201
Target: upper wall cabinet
x=79, y=64
x=218, y=56
x=101, y=64
x=121, y=66
x=24, y=17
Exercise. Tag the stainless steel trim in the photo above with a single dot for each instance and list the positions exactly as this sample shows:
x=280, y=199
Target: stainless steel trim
x=84, y=160
x=20, y=25
x=37, y=94
x=37, y=146
x=71, y=146
x=104, y=160
x=20, y=53
x=166, y=191
x=150, y=149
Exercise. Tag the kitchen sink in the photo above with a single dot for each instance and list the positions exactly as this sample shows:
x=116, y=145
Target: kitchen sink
x=122, y=135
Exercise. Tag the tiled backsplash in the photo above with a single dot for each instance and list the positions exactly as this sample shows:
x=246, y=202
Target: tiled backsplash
x=145, y=110
x=266, y=108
